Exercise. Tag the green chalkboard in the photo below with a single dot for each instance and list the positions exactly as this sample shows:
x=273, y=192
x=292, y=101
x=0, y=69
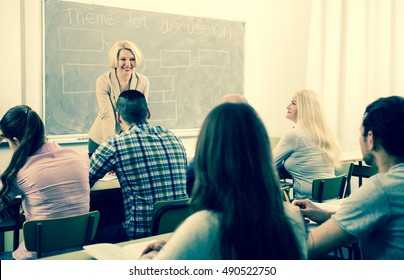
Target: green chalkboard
x=190, y=61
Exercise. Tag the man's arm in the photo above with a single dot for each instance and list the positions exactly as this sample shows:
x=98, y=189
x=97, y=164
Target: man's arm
x=101, y=162
x=310, y=210
x=326, y=238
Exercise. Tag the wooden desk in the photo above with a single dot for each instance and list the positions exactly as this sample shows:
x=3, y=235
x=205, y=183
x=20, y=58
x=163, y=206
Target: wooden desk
x=106, y=185
x=348, y=156
x=82, y=255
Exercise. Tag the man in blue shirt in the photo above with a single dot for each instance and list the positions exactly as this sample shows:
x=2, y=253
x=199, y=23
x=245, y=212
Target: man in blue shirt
x=374, y=214
x=150, y=164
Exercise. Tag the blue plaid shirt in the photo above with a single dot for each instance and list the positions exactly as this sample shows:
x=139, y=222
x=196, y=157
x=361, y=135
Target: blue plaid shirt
x=150, y=163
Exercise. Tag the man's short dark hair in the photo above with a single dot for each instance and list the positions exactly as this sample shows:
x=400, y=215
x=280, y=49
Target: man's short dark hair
x=132, y=106
x=385, y=118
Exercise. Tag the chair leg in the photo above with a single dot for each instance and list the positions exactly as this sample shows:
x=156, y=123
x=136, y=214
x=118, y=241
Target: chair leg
x=89, y=229
x=321, y=191
x=16, y=238
x=341, y=253
x=1, y=241
x=39, y=240
x=356, y=251
x=286, y=196
x=350, y=250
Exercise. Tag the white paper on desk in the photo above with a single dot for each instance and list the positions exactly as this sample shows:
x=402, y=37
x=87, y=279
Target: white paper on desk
x=108, y=177
x=108, y=251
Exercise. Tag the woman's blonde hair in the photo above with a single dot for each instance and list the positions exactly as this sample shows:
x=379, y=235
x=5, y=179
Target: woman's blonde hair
x=123, y=45
x=310, y=116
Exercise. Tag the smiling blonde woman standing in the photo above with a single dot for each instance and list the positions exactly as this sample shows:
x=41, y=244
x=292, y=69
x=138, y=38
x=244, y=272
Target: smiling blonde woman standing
x=123, y=59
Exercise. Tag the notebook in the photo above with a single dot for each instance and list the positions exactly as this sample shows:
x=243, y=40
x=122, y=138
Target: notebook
x=108, y=251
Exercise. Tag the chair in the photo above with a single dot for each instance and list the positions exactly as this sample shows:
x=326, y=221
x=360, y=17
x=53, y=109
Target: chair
x=354, y=251
x=328, y=188
x=286, y=182
x=347, y=170
x=363, y=171
x=274, y=141
x=285, y=193
x=60, y=233
x=14, y=223
x=167, y=215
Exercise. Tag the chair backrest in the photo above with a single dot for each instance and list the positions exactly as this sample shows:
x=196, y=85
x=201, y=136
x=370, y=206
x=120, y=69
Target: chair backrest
x=167, y=215
x=274, y=141
x=11, y=220
x=285, y=193
x=346, y=169
x=60, y=233
x=328, y=188
x=364, y=171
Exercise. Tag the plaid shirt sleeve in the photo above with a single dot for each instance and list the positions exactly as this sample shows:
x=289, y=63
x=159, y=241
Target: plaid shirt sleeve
x=102, y=161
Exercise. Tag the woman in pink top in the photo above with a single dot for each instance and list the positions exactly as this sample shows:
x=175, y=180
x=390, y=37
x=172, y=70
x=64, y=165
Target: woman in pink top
x=52, y=181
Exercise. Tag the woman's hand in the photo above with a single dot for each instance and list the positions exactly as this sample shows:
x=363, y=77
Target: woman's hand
x=111, y=173
x=152, y=249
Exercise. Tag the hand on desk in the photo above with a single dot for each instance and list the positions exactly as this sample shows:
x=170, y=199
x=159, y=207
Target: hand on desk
x=111, y=173
x=312, y=211
x=152, y=249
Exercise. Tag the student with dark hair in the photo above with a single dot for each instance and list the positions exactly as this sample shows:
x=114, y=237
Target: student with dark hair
x=150, y=163
x=374, y=214
x=239, y=211
x=231, y=98
x=37, y=171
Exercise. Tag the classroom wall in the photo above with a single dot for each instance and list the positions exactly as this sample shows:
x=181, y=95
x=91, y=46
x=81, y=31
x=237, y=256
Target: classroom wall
x=276, y=40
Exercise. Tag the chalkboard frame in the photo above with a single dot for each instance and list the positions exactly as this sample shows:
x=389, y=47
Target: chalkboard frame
x=182, y=132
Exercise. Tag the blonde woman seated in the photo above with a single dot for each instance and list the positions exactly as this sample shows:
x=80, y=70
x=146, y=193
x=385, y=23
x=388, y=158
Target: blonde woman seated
x=239, y=212
x=308, y=151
